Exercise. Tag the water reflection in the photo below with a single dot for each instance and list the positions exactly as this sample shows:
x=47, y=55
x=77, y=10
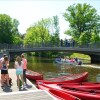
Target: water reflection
x=48, y=68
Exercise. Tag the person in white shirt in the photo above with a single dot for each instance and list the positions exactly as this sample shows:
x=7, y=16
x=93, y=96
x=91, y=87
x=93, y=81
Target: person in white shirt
x=19, y=71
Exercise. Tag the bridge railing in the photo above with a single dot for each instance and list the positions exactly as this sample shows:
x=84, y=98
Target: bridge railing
x=34, y=45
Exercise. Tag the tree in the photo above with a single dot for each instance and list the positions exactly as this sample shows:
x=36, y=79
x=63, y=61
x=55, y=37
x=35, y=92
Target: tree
x=15, y=24
x=38, y=33
x=82, y=19
x=56, y=28
x=16, y=35
x=9, y=30
x=5, y=29
x=43, y=32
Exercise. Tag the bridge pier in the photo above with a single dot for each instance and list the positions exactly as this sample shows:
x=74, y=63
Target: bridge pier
x=95, y=59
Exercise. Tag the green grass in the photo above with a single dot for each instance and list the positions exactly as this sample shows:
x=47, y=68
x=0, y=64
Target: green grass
x=80, y=56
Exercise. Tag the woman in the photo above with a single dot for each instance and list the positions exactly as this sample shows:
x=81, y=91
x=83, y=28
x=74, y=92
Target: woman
x=4, y=71
x=24, y=60
x=19, y=71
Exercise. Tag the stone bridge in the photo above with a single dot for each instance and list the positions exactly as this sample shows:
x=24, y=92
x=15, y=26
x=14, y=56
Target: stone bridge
x=92, y=50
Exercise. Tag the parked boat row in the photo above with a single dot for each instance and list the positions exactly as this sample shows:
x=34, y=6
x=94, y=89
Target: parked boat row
x=67, y=87
x=59, y=94
x=83, y=94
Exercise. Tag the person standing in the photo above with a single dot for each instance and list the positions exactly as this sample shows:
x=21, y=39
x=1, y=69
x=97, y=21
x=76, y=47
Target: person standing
x=24, y=60
x=4, y=71
x=19, y=71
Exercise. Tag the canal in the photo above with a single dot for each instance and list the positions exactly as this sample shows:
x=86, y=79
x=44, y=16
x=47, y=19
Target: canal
x=49, y=69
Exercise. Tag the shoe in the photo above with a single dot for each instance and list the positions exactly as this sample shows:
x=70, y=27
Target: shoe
x=8, y=85
x=24, y=86
x=2, y=86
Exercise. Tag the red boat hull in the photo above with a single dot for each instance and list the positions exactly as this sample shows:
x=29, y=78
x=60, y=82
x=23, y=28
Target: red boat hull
x=88, y=86
x=81, y=83
x=66, y=79
x=84, y=95
x=34, y=75
x=59, y=94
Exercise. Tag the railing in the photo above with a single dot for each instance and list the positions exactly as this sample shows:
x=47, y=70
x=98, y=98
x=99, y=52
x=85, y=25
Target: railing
x=30, y=46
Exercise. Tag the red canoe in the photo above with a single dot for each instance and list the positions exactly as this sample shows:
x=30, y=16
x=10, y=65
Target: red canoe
x=59, y=94
x=84, y=86
x=34, y=75
x=66, y=79
x=92, y=90
x=84, y=95
x=81, y=83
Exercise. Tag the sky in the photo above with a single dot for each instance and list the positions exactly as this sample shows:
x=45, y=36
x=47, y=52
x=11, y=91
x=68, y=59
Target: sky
x=27, y=12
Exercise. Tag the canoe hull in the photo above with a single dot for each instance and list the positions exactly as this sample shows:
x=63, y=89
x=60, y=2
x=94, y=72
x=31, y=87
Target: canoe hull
x=88, y=86
x=34, y=75
x=59, y=94
x=66, y=79
x=77, y=93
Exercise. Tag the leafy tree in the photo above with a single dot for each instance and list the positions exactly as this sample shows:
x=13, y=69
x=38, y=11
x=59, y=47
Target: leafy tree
x=44, y=31
x=38, y=33
x=16, y=35
x=95, y=38
x=9, y=30
x=82, y=19
x=56, y=28
x=15, y=24
x=6, y=34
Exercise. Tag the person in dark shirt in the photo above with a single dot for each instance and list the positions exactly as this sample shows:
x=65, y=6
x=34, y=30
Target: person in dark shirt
x=4, y=70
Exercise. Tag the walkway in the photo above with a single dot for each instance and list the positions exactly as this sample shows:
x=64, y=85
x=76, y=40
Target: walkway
x=30, y=93
x=14, y=88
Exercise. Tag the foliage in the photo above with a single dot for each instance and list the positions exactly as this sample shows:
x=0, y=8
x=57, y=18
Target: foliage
x=80, y=56
x=37, y=33
x=17, y=40
x=55, y=37
x=43, y=32
x=5, y=29
x=83, y=20
x=8, y=29
x=95, y=38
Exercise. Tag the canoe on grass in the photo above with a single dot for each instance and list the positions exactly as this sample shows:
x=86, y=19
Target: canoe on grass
x=59, y=94
x=34, y=75
x=66, y=79
x=82, y=94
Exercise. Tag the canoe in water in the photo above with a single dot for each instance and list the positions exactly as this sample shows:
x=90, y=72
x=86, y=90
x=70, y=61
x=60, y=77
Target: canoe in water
x=34, y=75
x=66, y=79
